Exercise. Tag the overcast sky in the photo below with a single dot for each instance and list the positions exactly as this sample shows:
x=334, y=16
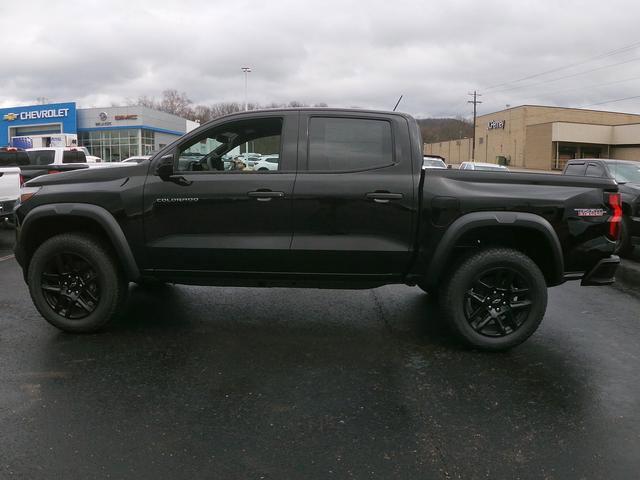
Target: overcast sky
x=345, y=53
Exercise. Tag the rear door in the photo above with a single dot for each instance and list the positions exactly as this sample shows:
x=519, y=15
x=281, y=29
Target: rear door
x=353, y=199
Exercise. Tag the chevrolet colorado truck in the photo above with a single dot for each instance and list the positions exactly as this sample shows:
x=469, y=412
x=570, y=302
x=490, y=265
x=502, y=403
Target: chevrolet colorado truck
x=348, y=206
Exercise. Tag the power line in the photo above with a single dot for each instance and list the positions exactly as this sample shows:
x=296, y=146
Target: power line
x=591, y=86
x=597, y=57
x=609, y=101
x=635, y=59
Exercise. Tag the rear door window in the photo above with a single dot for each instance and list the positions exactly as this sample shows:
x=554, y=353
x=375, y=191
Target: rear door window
x=347, y=144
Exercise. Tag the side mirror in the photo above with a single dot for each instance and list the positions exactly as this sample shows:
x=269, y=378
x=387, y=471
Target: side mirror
x=165, y=167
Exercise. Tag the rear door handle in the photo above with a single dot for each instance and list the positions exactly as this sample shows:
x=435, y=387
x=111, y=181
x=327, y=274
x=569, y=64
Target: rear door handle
x=265, y=195
x=383, y=197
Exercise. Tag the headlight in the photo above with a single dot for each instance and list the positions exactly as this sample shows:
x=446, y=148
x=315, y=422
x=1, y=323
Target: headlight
x=27, y=192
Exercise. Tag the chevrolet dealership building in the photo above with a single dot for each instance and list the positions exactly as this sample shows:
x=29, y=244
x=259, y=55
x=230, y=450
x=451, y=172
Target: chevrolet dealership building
x=544, y=138
x=112, y=134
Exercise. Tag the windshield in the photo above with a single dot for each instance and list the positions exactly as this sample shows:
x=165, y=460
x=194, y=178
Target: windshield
x=625, y=172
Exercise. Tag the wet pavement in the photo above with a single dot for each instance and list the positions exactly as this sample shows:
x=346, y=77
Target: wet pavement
x=229, y=383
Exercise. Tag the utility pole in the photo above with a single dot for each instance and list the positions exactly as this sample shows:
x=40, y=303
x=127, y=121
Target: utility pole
x=475, y=102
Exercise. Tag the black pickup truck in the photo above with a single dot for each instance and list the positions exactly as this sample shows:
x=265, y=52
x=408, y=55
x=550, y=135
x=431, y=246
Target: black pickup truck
x=343, y=203
x=627, y=174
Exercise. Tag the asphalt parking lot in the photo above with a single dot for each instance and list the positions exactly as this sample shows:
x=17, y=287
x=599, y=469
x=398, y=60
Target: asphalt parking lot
x=276, y=383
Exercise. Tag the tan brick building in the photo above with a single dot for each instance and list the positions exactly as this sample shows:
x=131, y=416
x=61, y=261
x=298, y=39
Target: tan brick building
x=544, y=138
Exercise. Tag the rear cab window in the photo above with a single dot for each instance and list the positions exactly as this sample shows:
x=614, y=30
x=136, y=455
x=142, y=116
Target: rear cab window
x=73, y=156
x=575, y=169
x=595, y=170
x=339, y=144
x=41, y=157
x=13, y=158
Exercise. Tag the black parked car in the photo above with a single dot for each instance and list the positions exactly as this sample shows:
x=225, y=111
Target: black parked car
x=627, y=174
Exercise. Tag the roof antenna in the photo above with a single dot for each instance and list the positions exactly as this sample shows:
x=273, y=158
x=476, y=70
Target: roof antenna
x=397, y=103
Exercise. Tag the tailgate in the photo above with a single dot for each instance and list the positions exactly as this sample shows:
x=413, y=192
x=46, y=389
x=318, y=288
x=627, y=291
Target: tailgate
x=9, y=183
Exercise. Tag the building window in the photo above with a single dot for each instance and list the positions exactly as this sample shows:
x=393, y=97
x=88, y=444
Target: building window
x=111, y=145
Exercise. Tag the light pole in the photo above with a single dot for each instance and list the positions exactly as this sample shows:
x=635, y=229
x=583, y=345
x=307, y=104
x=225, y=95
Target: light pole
x=247, y=71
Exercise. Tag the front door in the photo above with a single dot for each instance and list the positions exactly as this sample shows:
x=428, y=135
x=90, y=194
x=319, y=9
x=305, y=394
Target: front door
x=217, y=213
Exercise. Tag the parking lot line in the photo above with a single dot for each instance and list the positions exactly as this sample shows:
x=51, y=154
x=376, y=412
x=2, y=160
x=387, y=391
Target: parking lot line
x=8, y=257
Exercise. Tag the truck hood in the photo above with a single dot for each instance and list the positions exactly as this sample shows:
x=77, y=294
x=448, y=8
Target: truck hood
x=89, y=175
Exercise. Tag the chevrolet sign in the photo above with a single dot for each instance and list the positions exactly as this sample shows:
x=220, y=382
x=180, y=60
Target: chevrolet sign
x=38, y=114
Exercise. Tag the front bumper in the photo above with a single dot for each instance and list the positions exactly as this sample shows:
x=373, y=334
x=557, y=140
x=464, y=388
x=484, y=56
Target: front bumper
x=603, y=273
x=6, y=209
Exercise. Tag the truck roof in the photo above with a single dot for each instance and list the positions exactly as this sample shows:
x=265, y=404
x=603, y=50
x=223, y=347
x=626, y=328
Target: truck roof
x=311, y=109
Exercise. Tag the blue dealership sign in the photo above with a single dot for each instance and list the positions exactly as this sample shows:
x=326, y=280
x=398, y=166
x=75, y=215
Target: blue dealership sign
x=40, y=119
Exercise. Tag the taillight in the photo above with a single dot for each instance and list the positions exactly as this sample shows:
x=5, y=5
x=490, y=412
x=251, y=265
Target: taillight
x=615, y=220
x=21, y=180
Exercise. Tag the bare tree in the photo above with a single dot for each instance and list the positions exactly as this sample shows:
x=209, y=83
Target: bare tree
x=224, y=108
x=145, y=101
x=177, y=103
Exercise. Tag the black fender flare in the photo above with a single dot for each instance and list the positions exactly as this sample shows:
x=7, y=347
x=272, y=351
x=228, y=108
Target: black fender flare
x=93, y=212
x=474, y=220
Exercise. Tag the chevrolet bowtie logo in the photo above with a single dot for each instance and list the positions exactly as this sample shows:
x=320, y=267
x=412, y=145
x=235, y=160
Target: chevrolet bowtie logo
x=10, y=116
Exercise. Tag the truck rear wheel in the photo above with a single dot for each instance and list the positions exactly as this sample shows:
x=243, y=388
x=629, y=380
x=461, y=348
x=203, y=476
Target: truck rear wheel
x=495, y=299
x=75, y=283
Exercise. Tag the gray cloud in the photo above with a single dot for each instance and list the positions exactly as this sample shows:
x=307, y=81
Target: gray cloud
x=344, y=53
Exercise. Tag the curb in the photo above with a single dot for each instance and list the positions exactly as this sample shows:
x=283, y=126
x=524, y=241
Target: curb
x=628, y=277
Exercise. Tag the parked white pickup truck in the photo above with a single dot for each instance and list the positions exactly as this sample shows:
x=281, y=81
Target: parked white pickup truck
x=60, y=155
x=9, y=183
x=18, y=166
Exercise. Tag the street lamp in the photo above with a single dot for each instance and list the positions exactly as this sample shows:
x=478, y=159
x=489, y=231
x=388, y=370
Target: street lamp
x=247, y=71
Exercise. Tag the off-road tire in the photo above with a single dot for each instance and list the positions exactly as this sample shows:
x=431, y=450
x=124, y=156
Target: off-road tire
x=107, y=278
x=459, y=292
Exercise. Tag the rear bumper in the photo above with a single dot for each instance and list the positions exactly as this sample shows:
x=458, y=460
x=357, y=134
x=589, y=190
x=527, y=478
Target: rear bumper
x=635, y=229
x=603, y=273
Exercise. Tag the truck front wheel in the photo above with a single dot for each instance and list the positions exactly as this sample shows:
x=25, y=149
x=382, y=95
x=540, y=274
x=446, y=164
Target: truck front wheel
x=75, y=283
x=495, y=299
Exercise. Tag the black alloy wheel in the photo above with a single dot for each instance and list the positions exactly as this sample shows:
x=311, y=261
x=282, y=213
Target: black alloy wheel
x=71, y=286
x=498, y=303
x=76, y=283
x=494, y=299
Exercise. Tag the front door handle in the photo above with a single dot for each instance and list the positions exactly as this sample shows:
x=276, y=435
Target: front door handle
x=383, y=197
x=265, y=195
